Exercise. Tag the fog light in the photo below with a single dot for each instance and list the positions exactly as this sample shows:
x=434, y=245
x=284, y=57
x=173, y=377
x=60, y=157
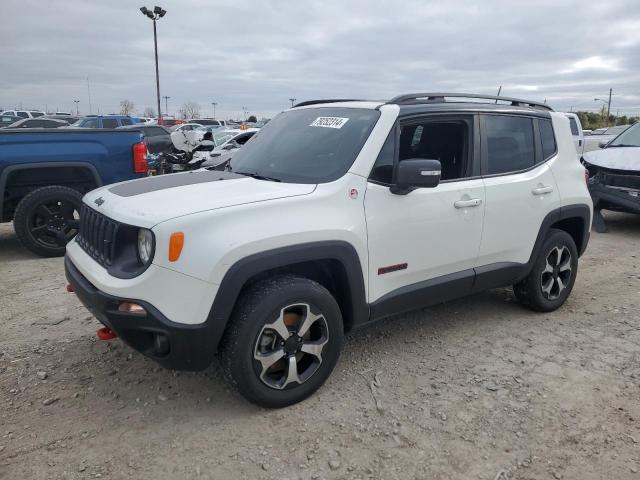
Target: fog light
x=132, y=308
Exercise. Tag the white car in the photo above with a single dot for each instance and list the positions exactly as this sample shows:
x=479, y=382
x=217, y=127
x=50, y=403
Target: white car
x=601, y=136
x=211, y=122
x=334, y=216
x=185, y=127
x=23, y=113
x=614, y=175
x=227, y=142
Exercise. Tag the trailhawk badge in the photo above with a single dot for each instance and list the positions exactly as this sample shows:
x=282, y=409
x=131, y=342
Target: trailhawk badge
x=99, y=201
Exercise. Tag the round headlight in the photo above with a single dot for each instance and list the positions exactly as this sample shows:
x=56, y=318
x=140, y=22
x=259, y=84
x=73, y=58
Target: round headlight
x=145, y=245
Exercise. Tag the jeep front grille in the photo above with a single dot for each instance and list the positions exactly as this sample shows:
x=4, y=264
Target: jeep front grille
x=97, y=235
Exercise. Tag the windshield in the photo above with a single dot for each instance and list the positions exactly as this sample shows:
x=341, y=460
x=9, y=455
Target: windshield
x=629, y=138
x=314, y=145
x=616, y=130
x=221, y=137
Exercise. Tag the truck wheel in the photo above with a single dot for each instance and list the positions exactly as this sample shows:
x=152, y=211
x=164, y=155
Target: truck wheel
x=47, y=218
x=283, y=340
x=554, y=272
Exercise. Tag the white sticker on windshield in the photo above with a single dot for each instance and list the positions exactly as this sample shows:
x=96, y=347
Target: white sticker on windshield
x=329, y=122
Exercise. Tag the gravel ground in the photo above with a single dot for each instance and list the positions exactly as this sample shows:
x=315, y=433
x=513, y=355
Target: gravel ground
x=475, y=389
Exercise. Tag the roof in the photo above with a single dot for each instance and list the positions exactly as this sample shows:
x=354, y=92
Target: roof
x=433, y=102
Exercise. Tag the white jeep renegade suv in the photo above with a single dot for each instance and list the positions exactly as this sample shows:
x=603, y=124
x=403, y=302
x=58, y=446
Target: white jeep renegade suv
x=335, y=215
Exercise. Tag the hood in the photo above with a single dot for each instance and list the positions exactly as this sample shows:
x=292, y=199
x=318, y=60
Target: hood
x=617, y=158
x=148, y=201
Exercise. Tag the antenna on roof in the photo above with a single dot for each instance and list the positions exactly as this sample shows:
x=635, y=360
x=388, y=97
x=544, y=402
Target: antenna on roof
x=498, y=94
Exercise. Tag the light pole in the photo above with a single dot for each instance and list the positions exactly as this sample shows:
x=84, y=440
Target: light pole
x=213, y=104
x=166, y=104
x=292, y=100
x=244, y=113
x=604, y=102
x=154, y=15
x=77, y=111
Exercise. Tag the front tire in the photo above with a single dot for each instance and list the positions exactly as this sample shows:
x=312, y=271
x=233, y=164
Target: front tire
x=46, y=219
x=551, y=280
x=283, y=341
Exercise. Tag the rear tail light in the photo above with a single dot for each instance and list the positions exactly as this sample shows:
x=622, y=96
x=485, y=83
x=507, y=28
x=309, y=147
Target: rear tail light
x=140, y=158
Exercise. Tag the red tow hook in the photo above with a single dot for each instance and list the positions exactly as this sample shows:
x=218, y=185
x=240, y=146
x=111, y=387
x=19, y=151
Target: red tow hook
x=105, y=333
x=70, y=288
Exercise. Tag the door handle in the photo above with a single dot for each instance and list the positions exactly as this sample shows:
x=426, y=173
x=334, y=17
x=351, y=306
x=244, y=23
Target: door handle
x=542, y=190
x=473, y=202
x=579, y=143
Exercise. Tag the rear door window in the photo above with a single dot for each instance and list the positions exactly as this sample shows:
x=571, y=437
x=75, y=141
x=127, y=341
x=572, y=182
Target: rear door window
x=509, y=144
x=109, y=123
x=23, y=114
x=127, y=121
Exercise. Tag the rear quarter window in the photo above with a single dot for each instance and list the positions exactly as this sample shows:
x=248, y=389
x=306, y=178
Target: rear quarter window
x=547, y=138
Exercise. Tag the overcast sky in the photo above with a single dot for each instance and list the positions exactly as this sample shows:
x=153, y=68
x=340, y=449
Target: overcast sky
x=258, y=54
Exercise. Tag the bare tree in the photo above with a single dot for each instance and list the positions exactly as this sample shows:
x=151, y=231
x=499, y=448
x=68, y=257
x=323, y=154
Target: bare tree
x=149, y=112
x=189, y=110
x=127, y=107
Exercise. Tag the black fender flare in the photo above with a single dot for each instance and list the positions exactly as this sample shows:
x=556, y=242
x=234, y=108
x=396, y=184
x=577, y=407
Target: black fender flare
x=4, y=176
x=243, y=270
x=580, y=210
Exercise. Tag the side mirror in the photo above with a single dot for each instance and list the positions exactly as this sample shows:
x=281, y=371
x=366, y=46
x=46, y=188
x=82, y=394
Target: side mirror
x=416, y=173
x=603, y=144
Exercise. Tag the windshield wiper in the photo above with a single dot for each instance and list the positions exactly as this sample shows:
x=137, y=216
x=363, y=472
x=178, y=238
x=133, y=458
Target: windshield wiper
x=257, y=176
x=622, y=145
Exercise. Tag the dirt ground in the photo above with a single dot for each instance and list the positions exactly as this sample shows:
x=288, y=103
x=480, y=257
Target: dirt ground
x=475, y=389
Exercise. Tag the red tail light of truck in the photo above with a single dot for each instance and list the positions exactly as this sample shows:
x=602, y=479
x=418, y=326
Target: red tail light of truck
x=140, y=158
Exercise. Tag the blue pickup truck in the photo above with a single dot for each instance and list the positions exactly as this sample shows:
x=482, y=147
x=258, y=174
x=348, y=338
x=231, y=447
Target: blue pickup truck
x=44, y=173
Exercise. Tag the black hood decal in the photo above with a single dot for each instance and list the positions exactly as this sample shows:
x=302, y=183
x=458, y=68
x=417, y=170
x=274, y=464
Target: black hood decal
x=162, y=182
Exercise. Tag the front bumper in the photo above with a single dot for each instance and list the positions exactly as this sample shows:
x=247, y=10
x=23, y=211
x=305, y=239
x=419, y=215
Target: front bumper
x=609, y=198
x=172, y=345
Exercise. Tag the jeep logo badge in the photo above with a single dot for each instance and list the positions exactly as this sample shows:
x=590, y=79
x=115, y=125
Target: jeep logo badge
x=98, y=201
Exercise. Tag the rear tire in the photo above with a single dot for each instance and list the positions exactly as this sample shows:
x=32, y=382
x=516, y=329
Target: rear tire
x=551, y=280
x=282, y=342
x=46, y=219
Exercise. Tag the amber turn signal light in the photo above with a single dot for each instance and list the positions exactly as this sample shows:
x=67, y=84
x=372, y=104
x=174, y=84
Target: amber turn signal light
x=176, y=242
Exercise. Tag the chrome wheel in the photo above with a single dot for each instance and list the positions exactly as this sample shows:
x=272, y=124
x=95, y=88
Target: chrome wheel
x=289, y=350
x=557, y=272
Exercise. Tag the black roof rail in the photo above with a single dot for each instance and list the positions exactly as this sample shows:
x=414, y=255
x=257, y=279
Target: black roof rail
x=327, y=100
x=441, y=98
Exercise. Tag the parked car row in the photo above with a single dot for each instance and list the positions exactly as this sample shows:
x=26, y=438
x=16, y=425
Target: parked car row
x=24, y=113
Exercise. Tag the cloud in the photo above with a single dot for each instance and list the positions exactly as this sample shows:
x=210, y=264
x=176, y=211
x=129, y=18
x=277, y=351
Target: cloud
x=594, y=63
x=260, y=54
